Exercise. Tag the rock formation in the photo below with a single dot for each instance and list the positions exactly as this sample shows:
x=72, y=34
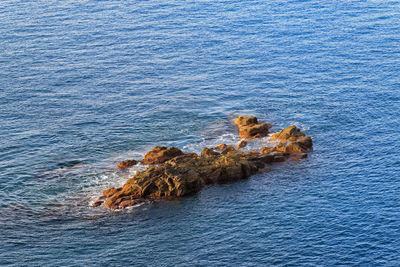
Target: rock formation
x=173, y=174
x=241, y=144
x=127, y=163
x=161, y=154
x=250, y=128
x=290, y=140
x=221, y=146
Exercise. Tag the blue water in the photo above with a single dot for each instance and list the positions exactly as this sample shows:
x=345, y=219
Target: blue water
x=84, y=84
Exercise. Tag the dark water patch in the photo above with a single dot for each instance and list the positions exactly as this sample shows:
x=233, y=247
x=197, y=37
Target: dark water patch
x=70, y=164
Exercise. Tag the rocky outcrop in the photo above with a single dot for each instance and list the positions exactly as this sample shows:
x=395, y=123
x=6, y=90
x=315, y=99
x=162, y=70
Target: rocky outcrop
x=250, y=128
x=161, y=154
x=241, y=144
x=221, y=146
x=174, y=174
x=127, y=163
x=290, y=140
x=183, y=175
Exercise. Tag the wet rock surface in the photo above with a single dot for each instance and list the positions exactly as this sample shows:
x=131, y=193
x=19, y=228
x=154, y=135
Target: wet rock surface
x=174, y=174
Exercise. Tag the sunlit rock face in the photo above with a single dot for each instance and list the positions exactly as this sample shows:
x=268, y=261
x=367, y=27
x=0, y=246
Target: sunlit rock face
x=173, y=173
x=250, y=128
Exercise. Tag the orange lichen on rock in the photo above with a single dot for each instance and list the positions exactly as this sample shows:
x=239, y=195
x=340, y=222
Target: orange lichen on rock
x=221, y=146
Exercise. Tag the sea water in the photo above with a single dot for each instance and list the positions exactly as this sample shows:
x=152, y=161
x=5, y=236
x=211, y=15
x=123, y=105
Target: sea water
x=85, y=84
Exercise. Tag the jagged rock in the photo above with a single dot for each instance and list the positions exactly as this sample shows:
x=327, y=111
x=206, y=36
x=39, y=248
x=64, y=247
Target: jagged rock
x=291, y=141
x=183, y=175
x=228, y=149
x=221, y=146
x=127, y=203
x=290, y=133
x=161, y=154
x=241, y=144
x=246, y=120
x=97, y=203
x=267, y=150
x=253, y=152
x=269, y=158
x=126, y=164
x=250, y=128
x=206, y=152
x=110, y=191
x=179, y=174
x=279, y=158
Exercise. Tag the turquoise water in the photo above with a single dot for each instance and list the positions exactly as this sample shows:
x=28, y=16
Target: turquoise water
x=84, y=84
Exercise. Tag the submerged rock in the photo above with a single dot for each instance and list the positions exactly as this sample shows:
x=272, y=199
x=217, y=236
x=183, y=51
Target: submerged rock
x=249, y=127
x=161, y=154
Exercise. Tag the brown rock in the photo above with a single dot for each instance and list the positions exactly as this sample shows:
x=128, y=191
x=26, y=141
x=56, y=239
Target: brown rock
x=283, y=154
x=250, y=128
x=110, y=191
x=179, y=174
x=245, y=120
x=291, y=141
x=295, y=148
x=241, y=144
x=161, y=154
x=253, y=152
x=267, y=158
x=183, y=175
x=127, y=163
x=221, y=146
x=305, y=142
x=290, y=133
x=127, y=203
x=206, y=152
x=279, y=158
x=97, y=203
x=228, y=149
x=267, y=150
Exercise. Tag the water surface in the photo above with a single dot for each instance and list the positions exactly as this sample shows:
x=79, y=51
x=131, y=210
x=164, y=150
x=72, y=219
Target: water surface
x=84, y=84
